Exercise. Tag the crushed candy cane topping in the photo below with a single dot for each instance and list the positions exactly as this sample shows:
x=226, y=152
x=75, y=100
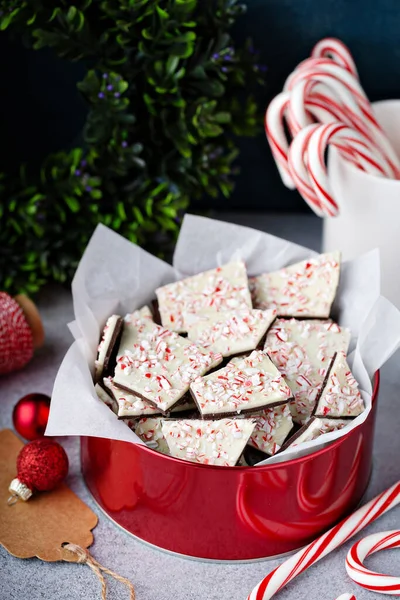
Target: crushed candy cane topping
x=159, y=364
x=271, y=429
x=223, y=288
x=150, y=431
x=340, y=396
x=317, y=427
x=249, y=384
x=104, y=344
x=230, y=332
x=104, y=397
x=302, y=351
x=208, y=442
x=306, y=289
x=129, y=405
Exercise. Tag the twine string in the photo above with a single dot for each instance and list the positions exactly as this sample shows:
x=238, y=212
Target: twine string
x=85, y=558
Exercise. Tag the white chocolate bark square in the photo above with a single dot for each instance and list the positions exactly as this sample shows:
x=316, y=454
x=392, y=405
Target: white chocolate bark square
x=106, y=398
x=223, y=288
x=340, y=396
x=208, y=442
x=104, y=346
x=128, y=404
x=303, y=351
x=306, y=289
x=230, y=332
x=247, y=385
x=150, y=431
x=135, y=324
x=314, y=429
x=271, y=429
x=159, y=365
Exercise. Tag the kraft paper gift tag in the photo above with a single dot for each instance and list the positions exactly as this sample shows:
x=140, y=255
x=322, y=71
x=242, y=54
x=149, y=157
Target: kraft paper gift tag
x=41, y=525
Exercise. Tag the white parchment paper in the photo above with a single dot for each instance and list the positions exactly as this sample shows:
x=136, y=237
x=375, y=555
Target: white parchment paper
x=114, y=275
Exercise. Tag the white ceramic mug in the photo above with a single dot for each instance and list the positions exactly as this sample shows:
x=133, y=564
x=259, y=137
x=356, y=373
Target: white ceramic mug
x=369, y=208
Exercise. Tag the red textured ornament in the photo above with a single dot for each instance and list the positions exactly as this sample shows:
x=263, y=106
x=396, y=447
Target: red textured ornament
x=16, y=341
x=41, y=466
x=30, y=416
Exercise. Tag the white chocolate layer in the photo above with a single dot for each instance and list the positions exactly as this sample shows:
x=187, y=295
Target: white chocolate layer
x=129, y=405
x=208, y=442
x=306, y=289
x=104, y=397
x=104, y=344
x=223, y=288
x=249, y=384
x=230, y=332
x=340, y=396
x=271, y=429
x=302, y=351
x=317, y=427
x=150, y=431
x=159, y=365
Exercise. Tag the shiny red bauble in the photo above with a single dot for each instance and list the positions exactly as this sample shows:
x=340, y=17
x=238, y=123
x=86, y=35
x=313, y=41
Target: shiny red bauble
x=42, y=464
x=30, y=416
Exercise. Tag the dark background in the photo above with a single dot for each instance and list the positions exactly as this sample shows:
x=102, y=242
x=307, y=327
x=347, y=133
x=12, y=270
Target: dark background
x=41, y=110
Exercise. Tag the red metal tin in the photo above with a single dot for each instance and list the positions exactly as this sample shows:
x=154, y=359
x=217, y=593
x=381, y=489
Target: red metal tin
x=223, y=513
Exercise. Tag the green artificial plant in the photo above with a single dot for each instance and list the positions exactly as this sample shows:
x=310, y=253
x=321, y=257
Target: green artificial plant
x=167, y=91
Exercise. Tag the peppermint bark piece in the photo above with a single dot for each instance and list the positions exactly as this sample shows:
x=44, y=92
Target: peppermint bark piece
x=223, y=288
x=315, y=427
x=272, y=427
x=208, y=442
x=306, y=289
x=106, y=351
x=129, y=405
x=150, y=431
x=340, y=396
x=302, y=351
x=243, y=386
x=136, y=323
x=230, y=332
x=159, y=365
x=106, y=398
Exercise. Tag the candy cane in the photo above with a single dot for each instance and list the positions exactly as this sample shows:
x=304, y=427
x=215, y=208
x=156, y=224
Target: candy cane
x=307, y=166
x=337, y=51
x=275, y=132
x=347, y=597
x=350, y=94
x=317, y=144
x=328, y=542
x=370, y=580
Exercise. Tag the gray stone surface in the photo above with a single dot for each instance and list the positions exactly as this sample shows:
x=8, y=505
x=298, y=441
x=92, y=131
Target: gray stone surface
x=158, y=576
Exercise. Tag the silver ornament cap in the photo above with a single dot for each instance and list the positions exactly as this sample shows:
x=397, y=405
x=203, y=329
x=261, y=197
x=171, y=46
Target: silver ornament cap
x=18, y=490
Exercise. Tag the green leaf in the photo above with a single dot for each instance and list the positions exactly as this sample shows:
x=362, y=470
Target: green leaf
x=162, y=13
x=71, y=13
x=171, y=65
x=72, y=203
x=222, y=117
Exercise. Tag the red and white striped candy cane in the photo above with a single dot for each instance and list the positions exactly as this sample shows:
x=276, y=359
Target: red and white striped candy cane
x=348, y=93
x=370, y=580
x=337, y=51
x=332, y=539
x=347, y=597
x=307, y=167
x=298, y=169
x=276, y=136
x=275, y=117
x=339, y=133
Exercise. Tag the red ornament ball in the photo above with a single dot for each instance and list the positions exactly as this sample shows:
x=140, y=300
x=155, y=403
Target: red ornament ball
x=30, y=416
x=42, y=465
